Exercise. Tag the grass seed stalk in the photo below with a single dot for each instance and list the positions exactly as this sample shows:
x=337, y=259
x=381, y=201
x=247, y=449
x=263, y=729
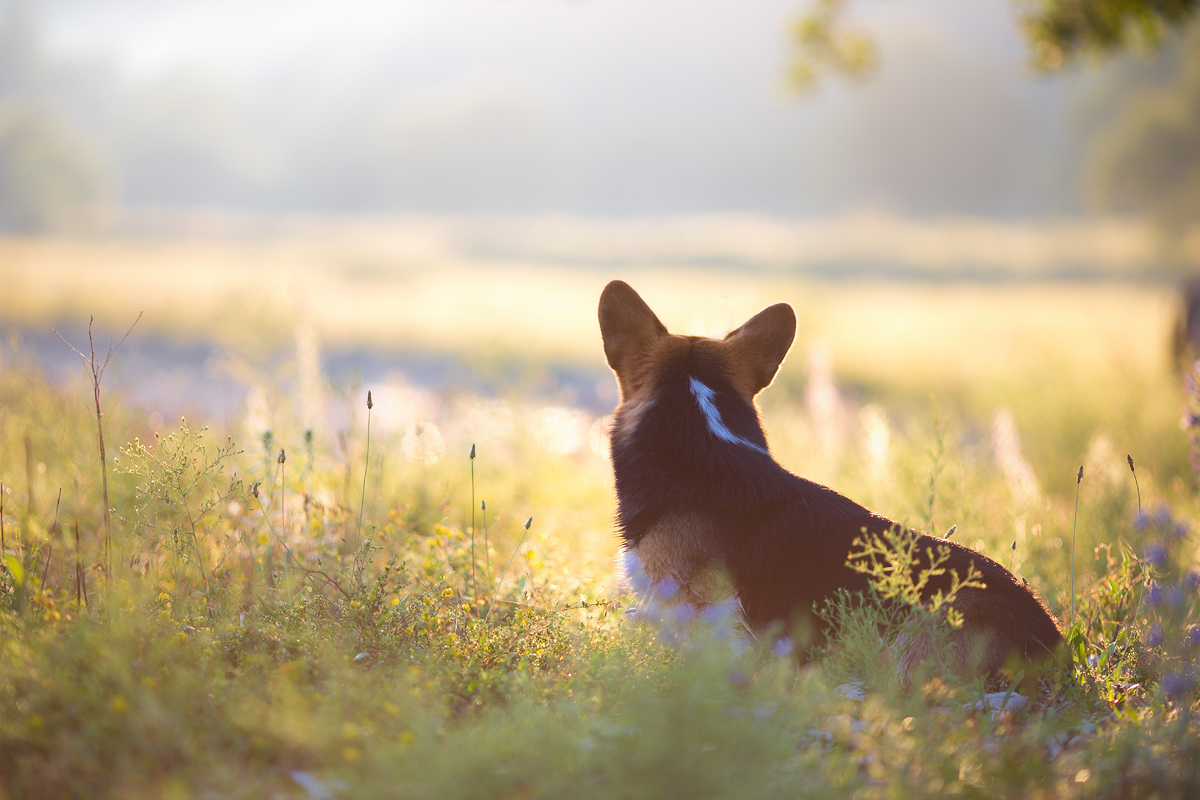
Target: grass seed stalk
x=1074, y=525
x=500, y=582
x=362, y=501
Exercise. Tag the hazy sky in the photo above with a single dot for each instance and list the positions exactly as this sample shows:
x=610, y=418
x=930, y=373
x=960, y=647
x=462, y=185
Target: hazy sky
x=585, y=106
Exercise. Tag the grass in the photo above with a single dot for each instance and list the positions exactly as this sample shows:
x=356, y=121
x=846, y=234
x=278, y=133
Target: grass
x=249, y=642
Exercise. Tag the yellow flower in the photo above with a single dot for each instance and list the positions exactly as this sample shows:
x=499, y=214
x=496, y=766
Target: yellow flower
x=119, y=705
x=351, y=754
x=407, y=738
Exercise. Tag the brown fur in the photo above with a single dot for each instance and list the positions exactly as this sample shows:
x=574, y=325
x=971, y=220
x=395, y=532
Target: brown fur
x=699, y=494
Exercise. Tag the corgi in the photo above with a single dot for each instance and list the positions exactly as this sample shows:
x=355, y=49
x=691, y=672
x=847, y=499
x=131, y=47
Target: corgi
x=700, y=498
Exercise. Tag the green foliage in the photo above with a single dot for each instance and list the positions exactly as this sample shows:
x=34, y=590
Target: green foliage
x=1061, y=30
x=825, y=45
x=1147, y=157
x=368, y=667
x=183, y=508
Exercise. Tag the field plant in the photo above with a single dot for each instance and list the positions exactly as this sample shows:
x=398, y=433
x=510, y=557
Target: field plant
x=321, y=632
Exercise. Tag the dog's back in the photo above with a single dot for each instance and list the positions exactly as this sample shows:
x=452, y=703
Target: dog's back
x=699, y=493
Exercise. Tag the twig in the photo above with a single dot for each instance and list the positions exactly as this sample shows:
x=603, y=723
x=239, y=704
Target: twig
x=97, y=370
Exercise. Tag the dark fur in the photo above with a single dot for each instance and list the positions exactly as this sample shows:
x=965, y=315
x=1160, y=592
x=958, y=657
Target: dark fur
x=783, y=540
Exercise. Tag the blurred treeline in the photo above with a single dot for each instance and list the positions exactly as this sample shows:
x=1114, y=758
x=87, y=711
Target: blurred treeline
x=80, y=140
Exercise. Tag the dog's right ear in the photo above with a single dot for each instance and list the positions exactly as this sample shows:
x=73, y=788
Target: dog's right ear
x=628, y=328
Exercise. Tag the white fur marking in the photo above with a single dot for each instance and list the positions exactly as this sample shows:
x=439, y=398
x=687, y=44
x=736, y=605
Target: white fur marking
x=716, y=426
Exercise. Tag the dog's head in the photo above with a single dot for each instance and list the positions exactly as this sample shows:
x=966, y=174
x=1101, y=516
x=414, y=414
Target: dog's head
x=638, y=346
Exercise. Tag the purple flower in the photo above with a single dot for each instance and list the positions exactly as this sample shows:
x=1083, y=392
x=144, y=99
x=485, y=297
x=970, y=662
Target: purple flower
x=684, y=613
x=783, y=646
x=1191, y=636
x=1155, y=596
x=1176, y=596
x=1177, y=683
x=718, y=613
x=667, y=588
x=1154, y=636
x=738, y=678
x=1156, y=554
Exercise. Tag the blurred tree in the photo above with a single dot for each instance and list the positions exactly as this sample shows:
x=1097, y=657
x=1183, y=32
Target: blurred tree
x=1062, y=30
x=1059, y=31
x=49, y=176
x=1146, y=156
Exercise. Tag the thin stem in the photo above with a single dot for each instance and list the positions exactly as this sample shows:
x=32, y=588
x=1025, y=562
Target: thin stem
x=366, y=467
x=283, y=520
x=1074, y=525
x=500, y=582
x=97, y=370
x=1142, y=522
x=474, y=585
x=487, y=551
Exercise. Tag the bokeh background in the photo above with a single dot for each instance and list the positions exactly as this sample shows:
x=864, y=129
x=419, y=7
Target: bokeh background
x=306, y=199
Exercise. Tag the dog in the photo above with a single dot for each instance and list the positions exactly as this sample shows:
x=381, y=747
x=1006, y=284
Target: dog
x=699, y=496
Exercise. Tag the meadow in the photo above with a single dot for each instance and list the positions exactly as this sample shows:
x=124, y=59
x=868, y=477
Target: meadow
x=417, y=596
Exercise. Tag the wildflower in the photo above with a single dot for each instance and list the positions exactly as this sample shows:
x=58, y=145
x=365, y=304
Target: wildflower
x=683, y=613
x=783, y=647
x=1154, y=636
x=1191, y=636
x=1155, y=596
x=1156, y=554
x=1177, y=683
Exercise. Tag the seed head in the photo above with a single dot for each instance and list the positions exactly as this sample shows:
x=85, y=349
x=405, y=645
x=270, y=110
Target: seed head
x=472, y=451
x=528, y=522
x=370, y=403
x=1130, y=460
x=254, y=488
x=282, y=456
x=950, y=532
x=483, y=505
x=1079, y=475
x=1014, y=545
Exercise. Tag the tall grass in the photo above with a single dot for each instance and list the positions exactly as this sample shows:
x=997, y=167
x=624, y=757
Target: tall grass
x=367, y=668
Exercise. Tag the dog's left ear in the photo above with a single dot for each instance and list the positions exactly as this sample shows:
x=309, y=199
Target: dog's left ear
x=760, y=344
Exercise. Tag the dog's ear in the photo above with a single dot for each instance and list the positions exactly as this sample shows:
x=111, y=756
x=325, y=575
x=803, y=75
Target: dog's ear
x=628, y=328
x=758, y=347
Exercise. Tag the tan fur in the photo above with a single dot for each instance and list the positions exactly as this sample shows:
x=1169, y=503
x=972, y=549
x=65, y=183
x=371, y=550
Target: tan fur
x=681, y=547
